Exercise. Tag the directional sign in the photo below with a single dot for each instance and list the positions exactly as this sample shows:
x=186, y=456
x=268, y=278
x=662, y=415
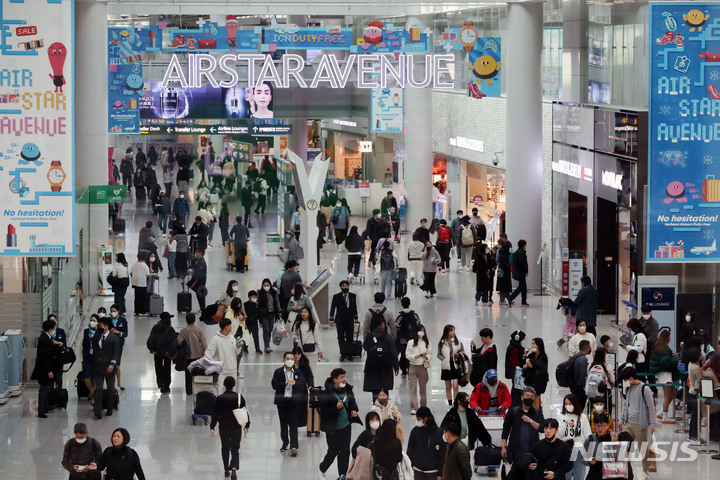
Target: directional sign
x=259, y=130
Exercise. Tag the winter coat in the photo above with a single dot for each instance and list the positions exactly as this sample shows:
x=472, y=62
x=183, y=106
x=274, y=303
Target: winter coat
x=427, y=450
x=328, y=405
x=586, y=302
x=481, y=397
x=431, y=260
x=504, y=282
x=513, y=358
x=224, y=349
x=664, y=362
x=481, y=271
x=476, y=430
x=537, y=376
x=457, y=462
x=381, y=375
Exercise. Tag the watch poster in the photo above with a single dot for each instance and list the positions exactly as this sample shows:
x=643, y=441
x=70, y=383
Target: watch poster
x=387, y=110
x=37, y=197
x=683, y=178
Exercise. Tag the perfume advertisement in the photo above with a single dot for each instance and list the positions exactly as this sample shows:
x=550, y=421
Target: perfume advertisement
x=206, y=102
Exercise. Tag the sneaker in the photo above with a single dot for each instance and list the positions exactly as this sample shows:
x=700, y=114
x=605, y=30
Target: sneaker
x=322, y=475
x=283, y=449
x=524, y=304
x=667, y=38
x=179, y=41
x=267, y=350
x=413, y=412
x=507, y=303
x=293, y=452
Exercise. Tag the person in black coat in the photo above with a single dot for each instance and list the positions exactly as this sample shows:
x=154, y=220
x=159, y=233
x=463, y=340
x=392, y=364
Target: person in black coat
x=120, y=462
x=381, y=360
x=476, y=431
x=597, y=451
x=535, y=369
x=503, y=284
x=338, y=410
x=372, y=233
x=161, y=335
x=386, y=450
x=519, y=272
x=551, y=454
x=106, y=348
x=521, y=427
x=367, y=436
x=199, y=231
x=45, y=365
x=482, y=270
x=230, y=430
x=426, y=447
x=290, y=393
x=343, y=315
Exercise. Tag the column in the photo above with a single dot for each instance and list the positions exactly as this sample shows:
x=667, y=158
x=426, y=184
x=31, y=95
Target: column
x=575, y=51
x=524, y=133
x=297, y=141
x=418, y=163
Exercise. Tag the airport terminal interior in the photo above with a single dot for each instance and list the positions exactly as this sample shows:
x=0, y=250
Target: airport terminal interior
x=584, y=129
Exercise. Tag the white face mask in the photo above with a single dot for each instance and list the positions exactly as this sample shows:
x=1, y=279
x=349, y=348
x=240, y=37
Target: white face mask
x=266, y=288
x=81, y=440
x=420, y=423
x=254, y=299
x=114, y=314
x=93, y=325
x=338, y=205
x=182, y=196
x=646, y=316
x=152, y=259
x=342, y=385
x=101, y=315
x=626, y=383
x=533, y=350
x=423, y=225
x=374, y=425
x=599, y=408
x=582, y=329
x=235, y=288
x=688, y=318
x=289, y=363
x=610, y=344
x=421, y=334
x=445, y=439
x=569, y=408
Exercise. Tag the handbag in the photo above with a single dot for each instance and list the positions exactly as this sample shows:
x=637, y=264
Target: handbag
x=614, y=470
x=711, y=56
x=111, y=279
x=194, y=284
x=166, y=252
x=241, y=416
x=207, y=41
x=219, y=313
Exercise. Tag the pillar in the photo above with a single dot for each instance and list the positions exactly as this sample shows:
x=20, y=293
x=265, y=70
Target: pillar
x=524, y=133
x=575, y=51
x=297, y=142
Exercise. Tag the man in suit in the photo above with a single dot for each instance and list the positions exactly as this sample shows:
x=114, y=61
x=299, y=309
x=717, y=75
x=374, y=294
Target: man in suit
x=106, y=347
x=45, y=365
x=343, y=315
x=60, y=340
x=289, y=385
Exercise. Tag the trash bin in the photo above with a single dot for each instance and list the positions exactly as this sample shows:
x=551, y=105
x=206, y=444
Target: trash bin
x=17, y=349
x=4, y=367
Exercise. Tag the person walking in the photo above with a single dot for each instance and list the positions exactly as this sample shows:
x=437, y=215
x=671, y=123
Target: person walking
x=503, y=284
x=379, y=307
x=261, y=188
x=194, y=337
x=450, y=352
x=181, y=208
x=172, y=244
x=419, y=354
x=638, y=343
x=119, y=461
x=386, y=451
x=521, y=427
x=224, y=348
x=372, y=233
x=466, y=243
x=386, y=409
x=664, y=365
x=121, y=282
x=253, y=317
x=355, y=246
x=581, y=333
x=574, y=428
x=139, y=275
x=199, y=233
x=144, y=234
x=120, y=328
x=343, y=315
x=367, y=436
x=519, y=273
x=472, y=429
x=198, y=269
x=552, y=456
x=307, y=335
x=290, y=391
x=426, y=446
x=340, y=220
x=415, y=261
x=638, y=413
x=240, y=235
x=224, y=222
x=161, y=336
x=423, y=231
x=457, y=456
x=338, y=410
x=407, y=323
x=230, y=430
x=430, y=260
x=45, y=366
x=388, y=264
x=381, y=358
x=88, y=366
x=595, y=446
x=168, y=172
x=579, y=369
x=482, y=272
x=81, y=454
x=484, y=358
x=246, y=200
x=535, y=368
x=586, y=302
x=105, y=347
x=163, y=208
x=456, y=231
x=270, y=310
x=444, y=245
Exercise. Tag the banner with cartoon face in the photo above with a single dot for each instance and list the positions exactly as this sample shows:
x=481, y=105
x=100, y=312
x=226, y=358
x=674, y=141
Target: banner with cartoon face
x=684, y=182
x=37, y=188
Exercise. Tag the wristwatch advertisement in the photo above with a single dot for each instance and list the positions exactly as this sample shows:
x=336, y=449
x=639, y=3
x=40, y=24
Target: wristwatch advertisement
x=56, y=176
x=468, y=36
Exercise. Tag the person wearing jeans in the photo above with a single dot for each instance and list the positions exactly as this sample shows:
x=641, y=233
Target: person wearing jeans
x=269, y=307
x=638, y=413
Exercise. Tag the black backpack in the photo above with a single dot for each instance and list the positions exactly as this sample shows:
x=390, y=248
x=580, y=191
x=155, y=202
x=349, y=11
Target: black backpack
x=377, y=317
x=387, y=262
x=565, y=372
x=407, y=324
x=375, y=352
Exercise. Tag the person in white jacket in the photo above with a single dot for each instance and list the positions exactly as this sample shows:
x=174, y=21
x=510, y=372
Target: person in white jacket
x=225, y=348
x=575, y=427
x=419, y=355
x=415, y=250
x=307, y=335
x=581, y=334
x=639, y=340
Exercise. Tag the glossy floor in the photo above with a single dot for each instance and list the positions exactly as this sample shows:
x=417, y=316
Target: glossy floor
x=170, y=447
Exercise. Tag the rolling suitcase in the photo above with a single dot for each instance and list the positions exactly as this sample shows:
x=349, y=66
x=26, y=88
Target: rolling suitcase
x=400, y=287
x=119, y=225
x=184, y=299
x=108, y=402
x=711, y=189
x=58, y=398
x=355, y=348
x=157, y=303
x=313, y=422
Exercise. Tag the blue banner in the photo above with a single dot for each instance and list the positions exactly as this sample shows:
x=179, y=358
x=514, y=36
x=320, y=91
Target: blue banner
x=281, y=37
x=683, y=183
x=386, y=38
x=125, y=77
x=387, y=110
x=485, y=65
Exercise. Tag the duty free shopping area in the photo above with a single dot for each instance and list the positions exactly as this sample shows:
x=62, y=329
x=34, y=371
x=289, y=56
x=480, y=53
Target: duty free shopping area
x=361, y=240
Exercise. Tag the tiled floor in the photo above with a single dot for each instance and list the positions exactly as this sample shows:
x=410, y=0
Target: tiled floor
x=170, y=447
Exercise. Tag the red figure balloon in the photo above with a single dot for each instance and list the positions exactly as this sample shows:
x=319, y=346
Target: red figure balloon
x=57, y=54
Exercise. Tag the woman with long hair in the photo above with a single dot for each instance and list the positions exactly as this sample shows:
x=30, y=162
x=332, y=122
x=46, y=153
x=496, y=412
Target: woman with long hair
x=229, y=294
x=122, y=281
x=224, y=222
x=230, y=429
x=269, y=307
x=450, y=353
x=535, y=369
x=419, y=355
x=574, y=429
x=355, y=246
x=298, y=301
x=119, y=461
x=236, y=315
x=600, y=360
x=386, y=451
x=367, y=436
x=426, y=448
x=161, y=335
x=307, y=336
x=663, y=364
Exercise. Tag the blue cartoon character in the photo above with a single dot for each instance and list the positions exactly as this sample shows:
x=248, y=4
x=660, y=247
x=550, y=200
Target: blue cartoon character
x=134, y=85
x=484, y=65
x=675, y=191
x=30, y=152
x=695, y=19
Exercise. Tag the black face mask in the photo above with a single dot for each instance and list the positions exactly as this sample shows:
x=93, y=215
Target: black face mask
x=344, y=290
x=528, y=402
x=492, y=381
x=383, y=401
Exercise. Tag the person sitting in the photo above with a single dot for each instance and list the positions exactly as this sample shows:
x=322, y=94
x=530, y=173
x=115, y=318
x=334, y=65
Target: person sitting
x=490, y=394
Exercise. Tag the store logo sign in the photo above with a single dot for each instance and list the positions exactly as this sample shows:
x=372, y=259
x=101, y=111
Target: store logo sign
x=612, y=179
x=345, y=123
x=468, y=143
x=574, y=170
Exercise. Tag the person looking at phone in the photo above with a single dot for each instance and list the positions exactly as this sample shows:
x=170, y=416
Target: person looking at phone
x=552, y=455
x=80, y=454
x=338, y=410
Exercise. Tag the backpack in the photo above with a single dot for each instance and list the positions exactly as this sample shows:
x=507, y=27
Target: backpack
x=595, y=384
x=377, y=316
x=467, y=235
x=375, y=354
x=565, y=372
x=407, y=324
x=387, y=262
x=443, y=234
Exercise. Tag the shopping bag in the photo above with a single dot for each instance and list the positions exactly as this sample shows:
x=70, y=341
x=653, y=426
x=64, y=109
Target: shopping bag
x=518, y=379
x=569, y=326
x=279, y=332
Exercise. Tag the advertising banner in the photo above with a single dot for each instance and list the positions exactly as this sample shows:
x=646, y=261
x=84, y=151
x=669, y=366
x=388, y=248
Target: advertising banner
x=292, y=37
x=125, y=77
x=36, y=128
x=484, y=62
x=683, y=183
x=386, y=38
x=387, y=110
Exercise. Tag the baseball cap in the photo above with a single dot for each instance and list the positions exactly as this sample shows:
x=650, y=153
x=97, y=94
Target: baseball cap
x=491, y=373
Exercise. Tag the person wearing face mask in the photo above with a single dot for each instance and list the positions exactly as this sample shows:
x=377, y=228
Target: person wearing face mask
x=574, y=427
x=581, y=333
x=122, y=281
x=372, y=233
x=638, y=416
x=181, y=208
x=490, y=394
x=598, y=408
x=385, y=408
x=105, y=347
x=535, y=369
x=340, y=220
x=606, y=342
x=253, y=314
x=415, y=263
x=240, y=236
x=199, y=233
x=456, y=230
x=423, y=231
x=598, y=452
x=457, y=456
x=45, y=366
x=552, y=455
x=120, y=462
x=269, y=306
x=367, y=436
x=60, y=341
x=386, y=451
x=338, y=410
x=521, y=427
x=482, y=272
x=289, y=385
x=81, y=454
x=229, y=293
x=472, y=429
x=426, y=447
x=306, y=334
x=197, y=344
x=514, y=357
x=419, y=354
x=586, y=301
x=430, y=261
x=87, y=356
x=343, y=315
x=120, y=328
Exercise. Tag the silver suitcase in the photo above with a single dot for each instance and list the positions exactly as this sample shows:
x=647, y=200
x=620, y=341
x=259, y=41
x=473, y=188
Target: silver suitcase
x=157, y=303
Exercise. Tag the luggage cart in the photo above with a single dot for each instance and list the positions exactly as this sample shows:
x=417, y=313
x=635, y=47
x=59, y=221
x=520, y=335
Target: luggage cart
x=200, y=384
x=493, y=421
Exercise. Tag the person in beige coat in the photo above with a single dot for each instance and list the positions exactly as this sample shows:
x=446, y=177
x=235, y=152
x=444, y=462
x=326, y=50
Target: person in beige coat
x=195, y=339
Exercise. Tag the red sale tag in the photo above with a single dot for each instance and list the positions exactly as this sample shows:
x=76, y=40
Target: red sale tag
x=24, y=31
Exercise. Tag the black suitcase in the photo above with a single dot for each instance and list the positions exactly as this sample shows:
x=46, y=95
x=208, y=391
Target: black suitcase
x=402, y=274
x=107, y=401
x=355, y=349
x=400, y=287
x=82, y=390
x=204, y=403
x=184, y=302
x=488, y=456
x=119, y=225
x=58, y=398
x=314, y=396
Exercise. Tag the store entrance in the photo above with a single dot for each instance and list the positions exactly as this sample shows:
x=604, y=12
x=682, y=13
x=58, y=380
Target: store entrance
x=577, y=224
x=606, y=256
